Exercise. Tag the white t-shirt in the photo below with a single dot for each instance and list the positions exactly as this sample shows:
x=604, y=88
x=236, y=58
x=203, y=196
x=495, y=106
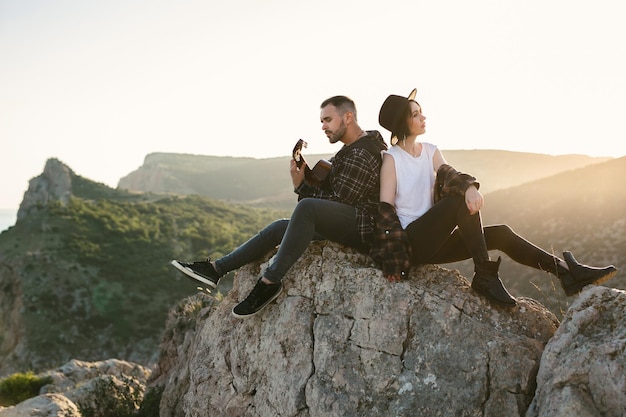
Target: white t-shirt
x=415, y=179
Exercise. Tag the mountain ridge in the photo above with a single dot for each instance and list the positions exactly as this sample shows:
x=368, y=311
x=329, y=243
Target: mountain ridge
x=266, y=183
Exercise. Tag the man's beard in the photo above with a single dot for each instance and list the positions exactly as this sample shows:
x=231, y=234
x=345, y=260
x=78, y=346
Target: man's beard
x=338, y=134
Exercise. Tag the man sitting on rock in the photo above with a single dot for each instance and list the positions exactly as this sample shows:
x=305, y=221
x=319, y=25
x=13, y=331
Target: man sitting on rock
x=341, y=209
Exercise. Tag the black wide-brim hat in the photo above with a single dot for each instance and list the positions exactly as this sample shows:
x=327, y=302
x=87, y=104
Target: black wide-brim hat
x=392, y=110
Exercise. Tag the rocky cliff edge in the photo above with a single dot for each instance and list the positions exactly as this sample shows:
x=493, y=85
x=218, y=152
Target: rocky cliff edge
x=342, y=341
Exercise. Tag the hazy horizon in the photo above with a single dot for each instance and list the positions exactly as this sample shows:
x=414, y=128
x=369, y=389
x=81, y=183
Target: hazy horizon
x=99, y=85
x=7, y=218
x=8, y=214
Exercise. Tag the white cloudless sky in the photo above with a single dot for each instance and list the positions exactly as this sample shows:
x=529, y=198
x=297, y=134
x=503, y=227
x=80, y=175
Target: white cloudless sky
x=101, y=84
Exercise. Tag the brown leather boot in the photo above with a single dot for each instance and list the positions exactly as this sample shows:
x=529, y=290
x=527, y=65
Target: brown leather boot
x=580, y=275
x=487, y=282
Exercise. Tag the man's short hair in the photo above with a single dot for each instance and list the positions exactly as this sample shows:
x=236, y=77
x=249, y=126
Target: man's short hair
x=343, y=104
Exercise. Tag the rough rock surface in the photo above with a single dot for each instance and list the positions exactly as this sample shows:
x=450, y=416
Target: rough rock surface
x=46, y=405
x=342, y=341
x=85, y=383
x=583, y=371
x=172, y=371
x=54, y=184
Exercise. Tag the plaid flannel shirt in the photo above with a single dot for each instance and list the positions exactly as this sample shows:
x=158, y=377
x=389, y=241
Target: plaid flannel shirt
x=354, y=179
x=449, y=181
x=391, y=248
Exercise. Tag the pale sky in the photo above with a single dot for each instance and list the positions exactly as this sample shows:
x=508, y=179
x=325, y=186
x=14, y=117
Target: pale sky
x=101, y=84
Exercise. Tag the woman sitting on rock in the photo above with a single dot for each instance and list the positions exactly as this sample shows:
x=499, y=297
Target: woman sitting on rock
x=430, y=214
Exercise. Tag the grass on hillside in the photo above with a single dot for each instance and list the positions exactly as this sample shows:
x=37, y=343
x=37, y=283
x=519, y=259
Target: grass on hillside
x=95, y=273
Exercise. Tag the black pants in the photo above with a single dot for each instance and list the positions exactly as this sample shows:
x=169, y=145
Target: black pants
x=448, y=233
x=312, y=219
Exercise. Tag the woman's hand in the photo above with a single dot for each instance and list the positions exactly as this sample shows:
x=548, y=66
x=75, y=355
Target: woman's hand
x=473, y=199
x=297, y=174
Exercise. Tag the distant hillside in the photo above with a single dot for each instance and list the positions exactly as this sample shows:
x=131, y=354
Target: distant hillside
x=266, y=182
x=498, y=170
x=250, y=181
x=582, y=210
x=85, y=271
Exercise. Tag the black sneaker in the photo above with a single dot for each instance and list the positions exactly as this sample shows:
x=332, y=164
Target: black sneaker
x=261, y=295
x=201, y=271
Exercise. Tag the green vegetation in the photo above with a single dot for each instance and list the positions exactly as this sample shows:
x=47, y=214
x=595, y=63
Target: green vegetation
x=95, y=272
x=20, y=386
x=109, y=399
x=90, y=190
x=150, y=404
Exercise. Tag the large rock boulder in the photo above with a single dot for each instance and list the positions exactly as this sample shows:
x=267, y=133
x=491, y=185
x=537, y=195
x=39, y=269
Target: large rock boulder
x=343, y=341
x=583, y=371
x=171, y=376
x=46, y=405
x=97, y=387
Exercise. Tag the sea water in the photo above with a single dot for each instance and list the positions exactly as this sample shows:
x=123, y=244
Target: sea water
x=8, y=217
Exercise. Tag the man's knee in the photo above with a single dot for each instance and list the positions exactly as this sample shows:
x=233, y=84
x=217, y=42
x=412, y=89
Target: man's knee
x=277, y=227
x=306, y=206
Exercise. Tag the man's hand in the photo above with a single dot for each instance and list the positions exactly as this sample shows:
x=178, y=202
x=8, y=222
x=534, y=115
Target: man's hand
x=297, y=175
x=473, y=199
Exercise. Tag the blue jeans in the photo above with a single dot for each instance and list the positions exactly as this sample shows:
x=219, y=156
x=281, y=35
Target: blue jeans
x=312, y=219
